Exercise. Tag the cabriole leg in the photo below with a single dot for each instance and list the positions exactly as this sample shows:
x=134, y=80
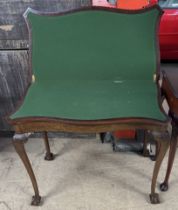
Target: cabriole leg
x=173, y=146
x=157, y=145
x=164, y=144
x=145, y=143
x=49, y=155
x=18, y=141
x=102, y=136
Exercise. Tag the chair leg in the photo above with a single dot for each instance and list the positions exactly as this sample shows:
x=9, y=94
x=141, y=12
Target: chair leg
x=157, y=145
x=49, y=155
x=145, y=143
x=173, y=146
x=164, y=144
x=114, y=144
x=102, y=136
x=18, y=142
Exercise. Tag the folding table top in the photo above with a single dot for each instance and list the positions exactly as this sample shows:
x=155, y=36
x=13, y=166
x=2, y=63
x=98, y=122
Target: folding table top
x=93, y=64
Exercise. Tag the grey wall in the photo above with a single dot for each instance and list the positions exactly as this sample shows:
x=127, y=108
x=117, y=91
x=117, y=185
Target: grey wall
x=14, y=47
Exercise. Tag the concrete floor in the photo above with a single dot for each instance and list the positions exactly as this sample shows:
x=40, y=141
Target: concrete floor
x=85, y=175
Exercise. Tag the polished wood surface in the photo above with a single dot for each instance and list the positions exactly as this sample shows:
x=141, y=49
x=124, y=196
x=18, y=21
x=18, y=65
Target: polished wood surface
x=171, y=76
x=170, y=92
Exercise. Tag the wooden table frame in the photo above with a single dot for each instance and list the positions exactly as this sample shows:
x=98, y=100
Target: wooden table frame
x=170, y=92
x=24, y=126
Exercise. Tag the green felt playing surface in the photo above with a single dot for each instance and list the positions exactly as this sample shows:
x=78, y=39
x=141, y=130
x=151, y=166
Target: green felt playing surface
x=88, y=100
x=93, y=65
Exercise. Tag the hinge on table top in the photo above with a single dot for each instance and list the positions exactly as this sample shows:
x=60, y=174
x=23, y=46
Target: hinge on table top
x=154, y=77
x=33, y=78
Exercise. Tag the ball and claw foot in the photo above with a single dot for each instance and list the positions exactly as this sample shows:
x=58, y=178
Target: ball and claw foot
x=36, y=200
x=164, y=186
x=154, y=198
x=49, y=156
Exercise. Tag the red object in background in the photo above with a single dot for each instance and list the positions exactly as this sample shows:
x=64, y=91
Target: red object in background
x=130, y=4
x=125, y=134
x=168, y=33
x=152, y=2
